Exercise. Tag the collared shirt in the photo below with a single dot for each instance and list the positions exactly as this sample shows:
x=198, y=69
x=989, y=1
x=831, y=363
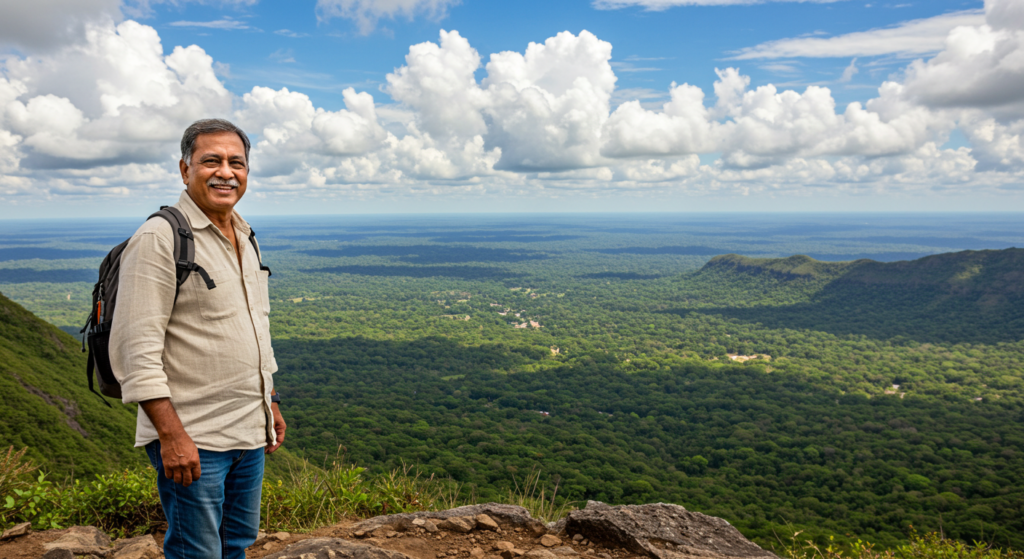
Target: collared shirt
x=209, y=351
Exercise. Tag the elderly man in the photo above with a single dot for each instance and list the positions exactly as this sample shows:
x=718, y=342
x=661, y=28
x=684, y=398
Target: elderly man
x=200, y=363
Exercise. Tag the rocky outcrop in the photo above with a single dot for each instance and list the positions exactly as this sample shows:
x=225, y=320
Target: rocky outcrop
x=660, y=530
x=507, y=514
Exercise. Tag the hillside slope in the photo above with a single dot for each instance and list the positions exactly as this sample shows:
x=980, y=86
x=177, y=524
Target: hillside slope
x=968, y=296
x=47, y=405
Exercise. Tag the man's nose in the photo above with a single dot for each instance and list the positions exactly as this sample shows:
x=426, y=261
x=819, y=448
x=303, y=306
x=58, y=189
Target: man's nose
x=225, y=171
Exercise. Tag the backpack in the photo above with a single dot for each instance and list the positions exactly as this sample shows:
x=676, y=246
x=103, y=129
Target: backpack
x=96, y=332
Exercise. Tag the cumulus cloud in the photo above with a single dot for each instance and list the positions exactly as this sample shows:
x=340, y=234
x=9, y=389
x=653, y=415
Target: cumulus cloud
x=366, y=13
x=910, y=38
x=48, y=24
x=104, y=114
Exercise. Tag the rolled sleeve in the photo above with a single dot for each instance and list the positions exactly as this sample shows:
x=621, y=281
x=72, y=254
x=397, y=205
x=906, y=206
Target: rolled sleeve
x=145, y=298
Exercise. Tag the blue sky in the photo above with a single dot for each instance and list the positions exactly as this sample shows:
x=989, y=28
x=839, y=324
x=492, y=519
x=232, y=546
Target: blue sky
x=287, y=45
x=439, y=105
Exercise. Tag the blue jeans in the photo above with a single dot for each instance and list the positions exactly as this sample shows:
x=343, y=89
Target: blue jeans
x=218, y=516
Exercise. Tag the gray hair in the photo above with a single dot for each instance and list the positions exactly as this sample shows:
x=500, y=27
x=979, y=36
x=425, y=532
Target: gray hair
x=209, y=126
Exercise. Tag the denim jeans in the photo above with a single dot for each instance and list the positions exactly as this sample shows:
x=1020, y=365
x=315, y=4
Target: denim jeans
x=218, y=516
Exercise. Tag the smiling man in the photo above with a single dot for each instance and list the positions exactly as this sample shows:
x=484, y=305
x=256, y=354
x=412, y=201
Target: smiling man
x=198, y=358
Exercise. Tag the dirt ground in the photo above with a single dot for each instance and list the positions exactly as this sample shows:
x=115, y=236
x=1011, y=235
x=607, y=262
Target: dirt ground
x=417, y=543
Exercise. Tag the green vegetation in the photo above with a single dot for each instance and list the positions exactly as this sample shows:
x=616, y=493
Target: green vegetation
x=851, y=400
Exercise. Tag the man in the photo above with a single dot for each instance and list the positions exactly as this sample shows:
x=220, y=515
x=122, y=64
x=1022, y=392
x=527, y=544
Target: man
x=200, y=366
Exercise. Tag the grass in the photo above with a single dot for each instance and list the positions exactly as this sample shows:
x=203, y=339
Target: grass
x=928, y=546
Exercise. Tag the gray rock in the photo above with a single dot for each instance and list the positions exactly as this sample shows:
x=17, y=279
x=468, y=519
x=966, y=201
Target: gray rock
x=456, y=524
x=17, y=530
x=645, y=529
x=503, y=514
x=142, y=547
x=485, y=522
x=82, y=540
x=334, y=548
x=564, y=550
x=58, y=554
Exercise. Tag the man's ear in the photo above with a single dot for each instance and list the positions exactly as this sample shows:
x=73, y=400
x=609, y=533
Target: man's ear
x=184, y=170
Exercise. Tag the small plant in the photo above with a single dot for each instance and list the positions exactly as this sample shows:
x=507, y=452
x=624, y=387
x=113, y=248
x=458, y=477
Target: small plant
x=121, y=504
x=533, y=497
x=929, y=546
x=14, y=468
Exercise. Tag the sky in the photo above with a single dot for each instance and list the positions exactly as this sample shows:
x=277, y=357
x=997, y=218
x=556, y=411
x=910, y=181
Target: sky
x=417, y=106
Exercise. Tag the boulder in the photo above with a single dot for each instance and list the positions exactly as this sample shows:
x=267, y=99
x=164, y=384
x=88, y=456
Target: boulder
x=82, y=540
x=17, y=530
x=662, y=531
x=334, y=548
x=510, y=515
x=142, y=547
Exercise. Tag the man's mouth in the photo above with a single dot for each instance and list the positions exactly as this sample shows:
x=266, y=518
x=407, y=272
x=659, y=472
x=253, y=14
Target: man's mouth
x=222, y=185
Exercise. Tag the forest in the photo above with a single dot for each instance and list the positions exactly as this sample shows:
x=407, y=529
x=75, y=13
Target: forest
x=869, y=384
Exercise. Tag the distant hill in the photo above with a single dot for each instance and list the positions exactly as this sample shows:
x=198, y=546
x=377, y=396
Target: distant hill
x=969, y=296
x=47, y=404
x=48, y=408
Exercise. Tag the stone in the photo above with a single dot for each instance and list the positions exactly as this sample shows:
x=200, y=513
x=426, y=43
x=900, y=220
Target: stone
x=636, y=528
x=17, y=530
x=504, y=546
x=280, y=536
x=142, y=547
x=547, y=540
x=485, y=522
x=577, y=538
x=419, y=521
x=508, y=515
x=540, y=554
x=329, y=548
x=476, y=553
x=564, y=550
x=429, y=526
x=269, y=546
x=455, y=524
x=58, y=553
x=82, y=540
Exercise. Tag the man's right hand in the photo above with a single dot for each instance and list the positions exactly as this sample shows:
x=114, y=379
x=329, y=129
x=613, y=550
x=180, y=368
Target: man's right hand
x=181, y=459
x=177, y=451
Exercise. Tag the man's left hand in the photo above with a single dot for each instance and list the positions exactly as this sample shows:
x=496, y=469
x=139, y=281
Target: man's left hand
x=279, y=428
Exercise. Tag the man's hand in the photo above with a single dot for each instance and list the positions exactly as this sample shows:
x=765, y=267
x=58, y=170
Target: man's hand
x=177, y=451
x=181, y=459
x=279, y=428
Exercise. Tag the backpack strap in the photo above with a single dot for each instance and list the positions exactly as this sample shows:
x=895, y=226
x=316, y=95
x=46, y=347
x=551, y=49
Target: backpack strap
x=259, y=255
x=184, y=248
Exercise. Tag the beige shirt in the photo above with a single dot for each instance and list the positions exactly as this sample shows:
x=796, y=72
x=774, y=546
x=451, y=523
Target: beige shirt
x=209, y=352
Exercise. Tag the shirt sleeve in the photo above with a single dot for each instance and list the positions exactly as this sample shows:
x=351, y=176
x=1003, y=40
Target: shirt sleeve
x=145, y=297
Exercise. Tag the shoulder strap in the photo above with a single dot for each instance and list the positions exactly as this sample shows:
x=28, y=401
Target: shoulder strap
x=184, y=248
x=259, y=255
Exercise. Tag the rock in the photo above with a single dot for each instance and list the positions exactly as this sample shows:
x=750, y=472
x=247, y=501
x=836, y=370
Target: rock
x=637, y=527
x=604, y=556
x=538, y=529
x=429, y=526
x=577, y=538
x=485, y=522
x=18, y=530
x=142, y=547
x=269, y=546
x=280, y=536
x=547, y=540
x=564, y=550
x=509, y=515
x=58, y=553
x=455, y=524
x=540, y=554
x=476, y=553
x=332, y=548
x=504, y=546
x=82, y=540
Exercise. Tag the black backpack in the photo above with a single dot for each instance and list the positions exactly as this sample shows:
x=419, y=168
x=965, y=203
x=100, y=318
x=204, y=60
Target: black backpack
x=104, y=297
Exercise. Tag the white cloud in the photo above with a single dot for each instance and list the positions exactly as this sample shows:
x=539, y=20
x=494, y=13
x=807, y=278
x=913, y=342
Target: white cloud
x=225, y=23
x=910, y=38
x=849, y=72
x=104, y=115
x=48, y=24
x=366, y=13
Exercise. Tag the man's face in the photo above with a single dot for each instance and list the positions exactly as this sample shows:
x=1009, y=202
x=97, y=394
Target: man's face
x=216, y=176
